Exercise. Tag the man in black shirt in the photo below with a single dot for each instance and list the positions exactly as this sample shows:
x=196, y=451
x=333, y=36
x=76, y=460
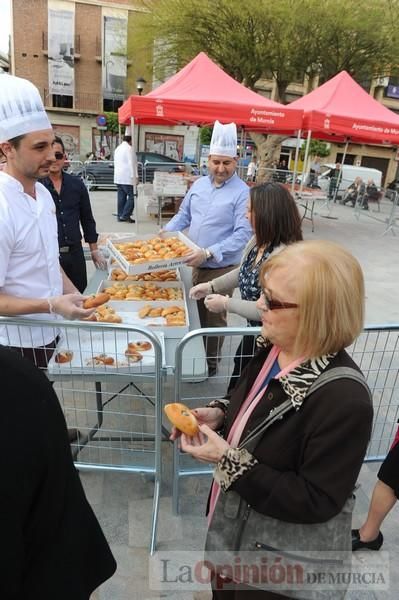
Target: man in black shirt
x=73, y=208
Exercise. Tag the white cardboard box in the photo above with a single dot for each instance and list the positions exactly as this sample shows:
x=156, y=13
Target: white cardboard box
x=155, y=265
x=128, y=311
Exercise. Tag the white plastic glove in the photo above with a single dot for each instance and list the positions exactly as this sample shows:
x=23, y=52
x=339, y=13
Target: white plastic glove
x=69, y=306
x=99, y=259
x=200, y=291
x=216, y=303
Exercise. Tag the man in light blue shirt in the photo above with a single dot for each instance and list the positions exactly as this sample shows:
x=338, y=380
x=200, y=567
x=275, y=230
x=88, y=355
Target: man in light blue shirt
x=214, y=211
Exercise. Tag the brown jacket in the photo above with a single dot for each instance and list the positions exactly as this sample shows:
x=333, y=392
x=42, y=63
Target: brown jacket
x=305, y=467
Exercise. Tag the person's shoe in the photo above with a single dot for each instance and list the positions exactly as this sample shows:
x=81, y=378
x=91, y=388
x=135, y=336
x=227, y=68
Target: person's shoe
x=357, y=543
x=128, y=220
x=115, y=215
x=212, y=370
x=72, y=434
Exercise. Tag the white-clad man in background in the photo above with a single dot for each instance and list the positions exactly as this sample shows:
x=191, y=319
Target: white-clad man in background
x=124, y=178
x=32, y=282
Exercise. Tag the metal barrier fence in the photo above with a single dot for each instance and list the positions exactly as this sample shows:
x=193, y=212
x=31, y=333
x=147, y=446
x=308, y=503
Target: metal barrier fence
x=376, y=352
x=100, y=173
x=112, y=402
x=387, y=211
x=117, y=407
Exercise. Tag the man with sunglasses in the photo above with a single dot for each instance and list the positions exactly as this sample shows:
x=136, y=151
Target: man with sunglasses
x=73, y=210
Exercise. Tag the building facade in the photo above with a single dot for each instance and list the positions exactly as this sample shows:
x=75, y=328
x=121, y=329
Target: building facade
x=75, y=52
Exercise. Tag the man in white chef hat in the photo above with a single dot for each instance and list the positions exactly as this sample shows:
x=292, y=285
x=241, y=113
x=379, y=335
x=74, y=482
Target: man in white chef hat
x=32, y=282
x=56, y=546
x=214, y=210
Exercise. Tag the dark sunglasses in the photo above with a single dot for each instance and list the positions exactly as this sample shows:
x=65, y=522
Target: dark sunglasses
x=276, y=304
x=58, y=155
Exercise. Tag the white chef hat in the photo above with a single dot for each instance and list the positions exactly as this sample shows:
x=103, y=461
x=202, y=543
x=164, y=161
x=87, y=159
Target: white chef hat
x=21, y=108
x=224, y=140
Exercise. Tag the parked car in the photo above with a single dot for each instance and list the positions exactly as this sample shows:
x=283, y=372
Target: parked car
x=100, y=173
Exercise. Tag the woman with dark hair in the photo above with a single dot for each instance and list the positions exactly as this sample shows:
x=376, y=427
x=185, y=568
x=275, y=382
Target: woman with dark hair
x=275, y=219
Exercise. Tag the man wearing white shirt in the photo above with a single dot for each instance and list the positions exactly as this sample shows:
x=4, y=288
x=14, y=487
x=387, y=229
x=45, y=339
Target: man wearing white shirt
x=124, y=178
x=32, y=282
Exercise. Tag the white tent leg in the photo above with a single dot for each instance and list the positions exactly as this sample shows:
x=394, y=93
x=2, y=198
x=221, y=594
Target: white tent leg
x=298, y=142
x=135, y=175
x=305, y=160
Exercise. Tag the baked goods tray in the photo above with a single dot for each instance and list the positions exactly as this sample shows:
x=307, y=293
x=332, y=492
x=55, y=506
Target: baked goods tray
x=87, y=344
x=128, y=310
x=152, y=265
x=117, y=274
x=155, y=288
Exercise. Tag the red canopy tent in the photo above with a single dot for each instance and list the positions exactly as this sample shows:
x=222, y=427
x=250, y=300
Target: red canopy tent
x=201, y=93
x=341, y=109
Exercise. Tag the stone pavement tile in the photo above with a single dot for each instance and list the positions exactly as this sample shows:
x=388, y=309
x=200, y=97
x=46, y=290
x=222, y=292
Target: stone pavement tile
x=129, y=486
x=114, y=521
x=93, y=483
x=140, y=515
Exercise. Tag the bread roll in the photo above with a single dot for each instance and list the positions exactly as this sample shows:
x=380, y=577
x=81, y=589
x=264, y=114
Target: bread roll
x=96, y=300
x=143, y=346
x=63, y=357
x=182, y=418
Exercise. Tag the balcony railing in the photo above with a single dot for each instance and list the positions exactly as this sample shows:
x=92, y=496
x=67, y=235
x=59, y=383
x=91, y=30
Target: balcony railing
x=80, y=101
x=76, y=49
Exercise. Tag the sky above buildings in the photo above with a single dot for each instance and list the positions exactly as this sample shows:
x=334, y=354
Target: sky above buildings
x=5, y=24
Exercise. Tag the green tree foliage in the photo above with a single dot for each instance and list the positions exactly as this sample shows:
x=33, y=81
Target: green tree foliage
x=112, y=121
x=205, y=135
x=286, y=40
x=317, y=148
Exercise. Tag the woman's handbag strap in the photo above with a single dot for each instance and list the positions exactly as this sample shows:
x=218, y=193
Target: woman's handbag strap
x=277, y=413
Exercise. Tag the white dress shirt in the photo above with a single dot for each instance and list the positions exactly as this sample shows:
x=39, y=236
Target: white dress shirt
x=29, y=256
x=124, y=165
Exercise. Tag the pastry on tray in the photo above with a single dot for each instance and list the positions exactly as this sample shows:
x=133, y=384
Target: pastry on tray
x=105, y=314
x=64, y=356
x=142, y=251
x=173, y=315
x=147, y=291
x=166, y=275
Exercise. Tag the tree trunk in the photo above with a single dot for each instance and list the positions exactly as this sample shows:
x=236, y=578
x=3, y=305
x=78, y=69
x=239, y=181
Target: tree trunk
x=268, y=150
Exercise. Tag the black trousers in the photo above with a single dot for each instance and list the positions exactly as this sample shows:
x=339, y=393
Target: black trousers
x=74, y=265
x=39, y=356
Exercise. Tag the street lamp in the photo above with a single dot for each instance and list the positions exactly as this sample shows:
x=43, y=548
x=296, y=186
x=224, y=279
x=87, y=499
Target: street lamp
x=140, y=83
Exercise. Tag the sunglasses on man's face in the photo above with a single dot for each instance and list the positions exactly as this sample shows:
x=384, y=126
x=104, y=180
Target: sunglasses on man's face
x=58, y=155
x=276, y=304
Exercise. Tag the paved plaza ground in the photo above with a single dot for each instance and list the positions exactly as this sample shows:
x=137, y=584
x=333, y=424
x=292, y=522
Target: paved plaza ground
x=123, y=502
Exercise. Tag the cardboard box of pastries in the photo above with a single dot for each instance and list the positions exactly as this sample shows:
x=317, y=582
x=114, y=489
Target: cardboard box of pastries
x=169, y=317
x=151, y=252
x=168, y=291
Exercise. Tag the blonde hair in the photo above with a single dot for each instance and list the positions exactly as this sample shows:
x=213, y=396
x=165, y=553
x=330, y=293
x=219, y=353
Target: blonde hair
x=330, y=294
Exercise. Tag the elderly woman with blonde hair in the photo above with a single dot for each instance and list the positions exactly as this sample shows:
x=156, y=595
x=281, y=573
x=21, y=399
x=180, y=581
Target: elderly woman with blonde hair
x=289, y=443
